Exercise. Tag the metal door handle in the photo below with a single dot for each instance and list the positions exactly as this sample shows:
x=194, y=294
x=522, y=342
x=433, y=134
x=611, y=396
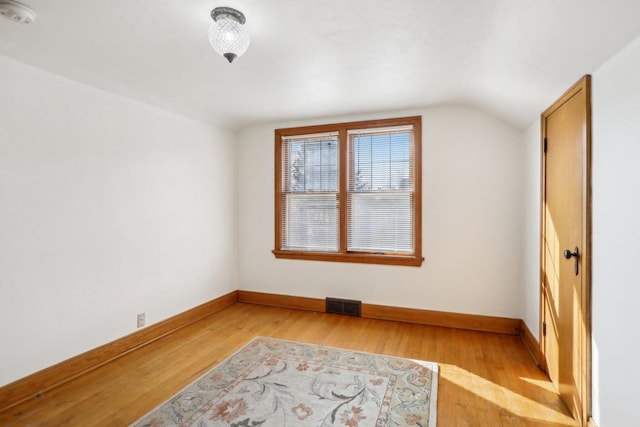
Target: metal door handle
x=576, y=254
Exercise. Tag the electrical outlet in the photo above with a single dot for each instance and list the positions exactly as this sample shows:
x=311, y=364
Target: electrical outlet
x=140, y=320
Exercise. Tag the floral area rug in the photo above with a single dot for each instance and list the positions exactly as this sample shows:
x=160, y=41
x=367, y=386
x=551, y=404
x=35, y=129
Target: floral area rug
x=270, y=382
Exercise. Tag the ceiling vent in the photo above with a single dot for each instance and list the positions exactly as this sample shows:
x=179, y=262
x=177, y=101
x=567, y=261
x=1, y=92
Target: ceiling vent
x=17, y=12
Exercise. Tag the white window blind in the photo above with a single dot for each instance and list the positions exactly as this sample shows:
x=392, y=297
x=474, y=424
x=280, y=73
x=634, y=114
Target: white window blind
x=310, y=182
x=380, y=200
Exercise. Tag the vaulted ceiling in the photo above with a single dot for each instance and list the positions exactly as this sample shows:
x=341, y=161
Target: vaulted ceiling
x=318, y=58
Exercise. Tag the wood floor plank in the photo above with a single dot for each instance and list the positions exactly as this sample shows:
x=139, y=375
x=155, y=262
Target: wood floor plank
x=485, y=379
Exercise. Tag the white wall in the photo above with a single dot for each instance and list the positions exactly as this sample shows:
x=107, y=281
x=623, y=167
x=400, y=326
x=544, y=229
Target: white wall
x=616, y=238
x=471, y=223
x=531, y=228
x=108, y=208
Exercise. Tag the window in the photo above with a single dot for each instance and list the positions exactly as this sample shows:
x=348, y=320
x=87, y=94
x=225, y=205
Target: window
x=349, y=192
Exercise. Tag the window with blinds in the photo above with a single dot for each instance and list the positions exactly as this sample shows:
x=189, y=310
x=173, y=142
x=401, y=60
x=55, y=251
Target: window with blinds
x=310, y=193
x=380, y=190
x=350, y=192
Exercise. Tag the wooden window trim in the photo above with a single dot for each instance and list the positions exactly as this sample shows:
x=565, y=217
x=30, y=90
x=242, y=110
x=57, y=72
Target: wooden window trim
x=343, y=255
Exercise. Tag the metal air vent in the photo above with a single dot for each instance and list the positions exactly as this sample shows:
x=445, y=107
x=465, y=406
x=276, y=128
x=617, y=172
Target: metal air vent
x=343, y=306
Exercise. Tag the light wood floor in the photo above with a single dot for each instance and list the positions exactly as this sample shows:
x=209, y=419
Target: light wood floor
x=486, y=380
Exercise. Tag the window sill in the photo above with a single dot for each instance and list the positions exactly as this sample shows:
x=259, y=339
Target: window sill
x=385, y=259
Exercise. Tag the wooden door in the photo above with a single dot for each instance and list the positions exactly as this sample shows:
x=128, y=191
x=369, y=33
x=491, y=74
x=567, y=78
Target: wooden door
x=565, y=253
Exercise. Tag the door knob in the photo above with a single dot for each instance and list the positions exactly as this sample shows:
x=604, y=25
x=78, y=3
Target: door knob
x=576, y=254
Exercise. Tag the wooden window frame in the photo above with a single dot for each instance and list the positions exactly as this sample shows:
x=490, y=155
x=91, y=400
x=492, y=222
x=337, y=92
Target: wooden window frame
x=343, y=255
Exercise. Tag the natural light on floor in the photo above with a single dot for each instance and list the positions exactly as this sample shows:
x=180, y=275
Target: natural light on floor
x=512, y=402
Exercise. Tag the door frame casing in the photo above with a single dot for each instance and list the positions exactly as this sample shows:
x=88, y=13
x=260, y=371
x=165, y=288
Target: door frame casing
x=584, y=84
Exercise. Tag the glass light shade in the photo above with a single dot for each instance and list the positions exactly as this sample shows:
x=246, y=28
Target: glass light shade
x=229, y=38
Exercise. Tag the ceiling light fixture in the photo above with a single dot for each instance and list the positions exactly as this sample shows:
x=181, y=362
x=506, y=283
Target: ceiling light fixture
x=17, y=12
x=227, y=33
